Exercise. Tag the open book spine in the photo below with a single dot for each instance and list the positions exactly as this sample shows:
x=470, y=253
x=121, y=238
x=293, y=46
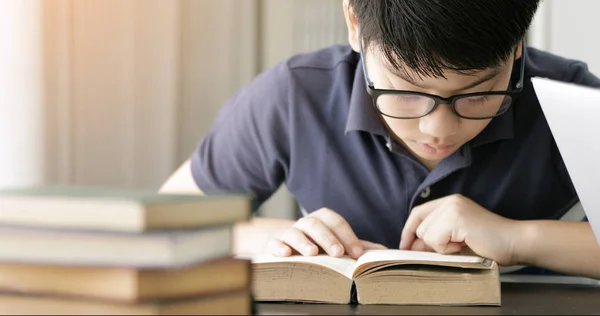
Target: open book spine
x=353, y=294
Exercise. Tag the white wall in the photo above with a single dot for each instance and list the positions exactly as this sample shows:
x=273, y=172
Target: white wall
x=569, y=28
x=112, y=91
x=218, y=55
x=294, y=26
x=132, y=85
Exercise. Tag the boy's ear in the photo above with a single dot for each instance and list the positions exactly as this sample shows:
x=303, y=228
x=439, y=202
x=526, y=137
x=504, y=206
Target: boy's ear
x=519, y=51
x=352, y=25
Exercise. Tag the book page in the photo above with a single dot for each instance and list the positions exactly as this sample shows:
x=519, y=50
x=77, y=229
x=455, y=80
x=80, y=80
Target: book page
x=408, y=256
x=344, y=265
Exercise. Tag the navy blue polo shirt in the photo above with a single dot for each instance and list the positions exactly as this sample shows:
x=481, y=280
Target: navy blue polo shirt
x=310, y=123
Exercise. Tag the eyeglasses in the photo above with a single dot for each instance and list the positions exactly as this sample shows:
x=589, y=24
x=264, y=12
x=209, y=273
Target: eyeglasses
x=403, y=104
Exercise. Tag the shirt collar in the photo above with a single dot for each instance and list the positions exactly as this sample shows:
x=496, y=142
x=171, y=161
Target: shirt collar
x=362, y=115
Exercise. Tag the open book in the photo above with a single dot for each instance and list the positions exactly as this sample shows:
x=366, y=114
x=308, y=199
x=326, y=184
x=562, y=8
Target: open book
x=378, y=277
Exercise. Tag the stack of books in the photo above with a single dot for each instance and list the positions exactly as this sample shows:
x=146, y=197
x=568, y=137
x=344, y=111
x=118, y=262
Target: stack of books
x=90, y=250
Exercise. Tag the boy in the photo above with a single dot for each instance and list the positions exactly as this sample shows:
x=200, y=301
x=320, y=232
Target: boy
x=424, y=133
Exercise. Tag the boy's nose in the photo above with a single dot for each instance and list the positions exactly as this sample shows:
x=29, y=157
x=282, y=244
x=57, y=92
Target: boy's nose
x=440, y=123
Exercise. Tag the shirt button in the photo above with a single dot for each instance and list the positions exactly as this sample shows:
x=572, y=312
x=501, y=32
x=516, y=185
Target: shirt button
x=426, y=192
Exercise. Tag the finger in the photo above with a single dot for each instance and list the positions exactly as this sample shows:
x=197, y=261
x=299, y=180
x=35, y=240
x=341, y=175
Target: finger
x=367, y=245
x=314, y=228
x=417, y=215
x=439, y=237
x=278, y=248
x=427, y=221
x=451, y=247
x=420, y=245
x=296, y=239
x=340, y=227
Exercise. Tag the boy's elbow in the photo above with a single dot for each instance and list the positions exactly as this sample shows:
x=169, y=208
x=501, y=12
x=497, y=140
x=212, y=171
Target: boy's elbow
x=181, y=182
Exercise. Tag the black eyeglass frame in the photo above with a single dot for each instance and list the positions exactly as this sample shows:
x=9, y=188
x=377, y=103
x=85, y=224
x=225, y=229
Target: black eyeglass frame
x=375, y=92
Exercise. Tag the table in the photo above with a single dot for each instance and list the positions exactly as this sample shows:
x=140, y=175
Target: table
x=517, y=298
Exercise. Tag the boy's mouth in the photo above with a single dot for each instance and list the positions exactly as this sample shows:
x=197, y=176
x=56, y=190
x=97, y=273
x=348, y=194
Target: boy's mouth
x=435, y=149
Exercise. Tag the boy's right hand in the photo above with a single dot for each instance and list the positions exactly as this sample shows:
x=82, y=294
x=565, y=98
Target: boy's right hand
x=321, y=229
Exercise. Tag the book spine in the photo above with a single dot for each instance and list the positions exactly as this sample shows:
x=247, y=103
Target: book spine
x=353, y=294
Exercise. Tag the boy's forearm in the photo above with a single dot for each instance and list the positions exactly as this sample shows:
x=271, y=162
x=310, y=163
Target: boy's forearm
x=248, y=237
x=566, y=247
x=252, y=236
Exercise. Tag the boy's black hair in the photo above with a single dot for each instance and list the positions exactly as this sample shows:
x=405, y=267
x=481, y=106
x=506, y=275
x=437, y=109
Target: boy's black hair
x=430, y=36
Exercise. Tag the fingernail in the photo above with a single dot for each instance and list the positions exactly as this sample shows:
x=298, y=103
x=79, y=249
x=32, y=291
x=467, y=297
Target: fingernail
x=357, y=250
x=283, y=251
x=310, y=249
x=336, y=250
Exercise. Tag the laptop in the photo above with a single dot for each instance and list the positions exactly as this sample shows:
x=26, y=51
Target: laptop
x=573, y=114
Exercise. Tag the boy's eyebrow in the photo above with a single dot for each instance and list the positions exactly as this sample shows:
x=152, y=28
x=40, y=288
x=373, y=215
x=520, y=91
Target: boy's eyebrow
x=402, y=74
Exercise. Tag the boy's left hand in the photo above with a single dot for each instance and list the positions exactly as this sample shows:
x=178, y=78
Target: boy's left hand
x=447, y=224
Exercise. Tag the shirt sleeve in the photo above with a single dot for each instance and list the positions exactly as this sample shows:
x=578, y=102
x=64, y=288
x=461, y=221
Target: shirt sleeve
x=578, y=73
x=247, y=148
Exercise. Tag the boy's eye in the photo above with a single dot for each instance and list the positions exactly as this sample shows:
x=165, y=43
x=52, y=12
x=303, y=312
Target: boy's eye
x=478, y=99
x=410, y=98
